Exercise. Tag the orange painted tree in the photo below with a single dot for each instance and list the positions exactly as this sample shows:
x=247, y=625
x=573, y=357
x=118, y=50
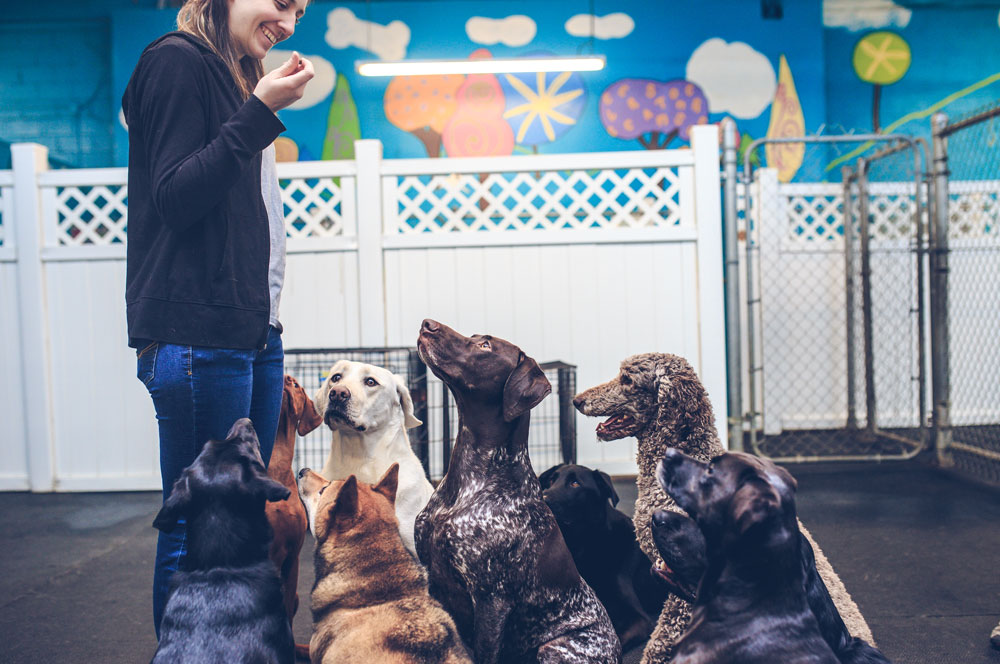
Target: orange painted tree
x=422, y=105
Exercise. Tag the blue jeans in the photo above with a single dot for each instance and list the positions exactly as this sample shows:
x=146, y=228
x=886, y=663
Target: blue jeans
x=198, y=393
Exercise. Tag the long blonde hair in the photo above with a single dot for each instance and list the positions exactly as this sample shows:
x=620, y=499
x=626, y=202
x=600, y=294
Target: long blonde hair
x=208, y=20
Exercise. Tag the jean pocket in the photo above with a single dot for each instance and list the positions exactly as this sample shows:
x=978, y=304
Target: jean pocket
x=146, y=363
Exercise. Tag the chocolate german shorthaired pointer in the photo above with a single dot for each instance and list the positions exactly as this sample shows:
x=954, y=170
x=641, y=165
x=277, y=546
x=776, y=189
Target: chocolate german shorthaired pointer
x=495, y=557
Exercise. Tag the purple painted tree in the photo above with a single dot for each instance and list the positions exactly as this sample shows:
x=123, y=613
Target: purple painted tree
x=655, y=112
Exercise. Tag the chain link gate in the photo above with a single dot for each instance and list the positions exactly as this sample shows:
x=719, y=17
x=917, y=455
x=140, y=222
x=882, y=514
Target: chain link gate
x=834, y=322
x=967, y=395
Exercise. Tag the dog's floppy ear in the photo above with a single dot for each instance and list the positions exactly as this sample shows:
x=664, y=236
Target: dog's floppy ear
x=409, y=421
x=606, y=487
x=525, y=388
x=270, y=490
x=387, y=485
x=322, y=395
x=175, y=506
x=304, y=408
x=549, y=476
x=754, y=503
x=345, y=505
x=676, y=383
x=787, y=478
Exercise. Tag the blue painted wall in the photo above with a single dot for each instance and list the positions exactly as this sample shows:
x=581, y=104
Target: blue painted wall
x=66, y=63
x=955, y=67
x=659, y=47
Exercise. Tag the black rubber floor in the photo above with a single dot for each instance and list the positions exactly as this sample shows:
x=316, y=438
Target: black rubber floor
x=917, y=549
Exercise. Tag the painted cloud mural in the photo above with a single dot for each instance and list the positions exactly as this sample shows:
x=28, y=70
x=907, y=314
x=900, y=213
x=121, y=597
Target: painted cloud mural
x=612, y=26
x=736, y=78
x=516, y=30
x=388, y=42
x=856, y=16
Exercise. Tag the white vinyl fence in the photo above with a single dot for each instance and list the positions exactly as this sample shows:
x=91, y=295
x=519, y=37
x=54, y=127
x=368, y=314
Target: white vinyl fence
x=585, y=258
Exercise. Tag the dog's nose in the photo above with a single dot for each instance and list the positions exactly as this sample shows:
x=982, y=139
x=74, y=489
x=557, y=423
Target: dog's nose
x=430, y=325
x=302, y=472
x=578, y=402
x=340, y=394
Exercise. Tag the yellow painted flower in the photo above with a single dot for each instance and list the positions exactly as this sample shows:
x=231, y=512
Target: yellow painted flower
x=541, y=106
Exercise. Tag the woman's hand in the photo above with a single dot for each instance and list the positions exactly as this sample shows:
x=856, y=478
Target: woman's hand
x=285, y=85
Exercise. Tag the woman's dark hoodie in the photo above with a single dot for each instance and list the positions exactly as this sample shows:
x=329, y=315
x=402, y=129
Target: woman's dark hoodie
x=198, y=243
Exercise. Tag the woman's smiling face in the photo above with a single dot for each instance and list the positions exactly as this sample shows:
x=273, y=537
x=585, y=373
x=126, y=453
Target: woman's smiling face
x=257, y=25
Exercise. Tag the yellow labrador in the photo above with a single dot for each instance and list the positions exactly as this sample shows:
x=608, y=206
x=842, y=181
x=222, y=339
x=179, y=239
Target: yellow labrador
x=369, y=410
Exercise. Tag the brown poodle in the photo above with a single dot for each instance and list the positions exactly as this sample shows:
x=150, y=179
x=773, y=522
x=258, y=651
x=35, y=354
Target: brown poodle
x=658, y=399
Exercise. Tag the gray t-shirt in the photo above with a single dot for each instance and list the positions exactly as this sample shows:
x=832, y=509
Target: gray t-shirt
x=271, y=192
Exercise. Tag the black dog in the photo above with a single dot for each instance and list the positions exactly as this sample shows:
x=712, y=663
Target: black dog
x=751, y=605
x=602, y=541
x=225, y=604
x=683, y=561
x=493, y=551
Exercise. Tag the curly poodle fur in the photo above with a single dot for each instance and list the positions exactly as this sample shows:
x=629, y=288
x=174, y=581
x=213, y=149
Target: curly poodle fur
x=658, y=399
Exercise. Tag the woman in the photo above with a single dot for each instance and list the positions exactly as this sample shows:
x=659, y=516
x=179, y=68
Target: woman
x=206, y=231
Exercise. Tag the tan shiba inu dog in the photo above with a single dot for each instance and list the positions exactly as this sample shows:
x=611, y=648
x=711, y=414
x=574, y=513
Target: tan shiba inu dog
x=370, y=601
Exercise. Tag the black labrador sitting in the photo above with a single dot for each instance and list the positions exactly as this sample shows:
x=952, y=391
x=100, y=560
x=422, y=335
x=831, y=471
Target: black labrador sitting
x=751, y=604
x=225, y=603
x=683, y=561
x=602, y=542
x=493, y=551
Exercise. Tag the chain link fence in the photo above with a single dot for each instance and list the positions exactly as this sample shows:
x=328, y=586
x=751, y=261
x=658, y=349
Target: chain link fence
x=552, y=438
x=832, y=320
x=967, y=150
x=888, y=261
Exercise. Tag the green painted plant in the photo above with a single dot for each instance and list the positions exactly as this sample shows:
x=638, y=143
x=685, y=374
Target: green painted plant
x=880, y=58
x=342, y=125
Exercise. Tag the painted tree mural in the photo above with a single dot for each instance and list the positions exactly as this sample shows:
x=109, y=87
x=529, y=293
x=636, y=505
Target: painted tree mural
x=880, y=58
x=422, y=105
x=787, y=121
x=342, y=125
x=655, y=112
x=542, y=106
x=477, y=127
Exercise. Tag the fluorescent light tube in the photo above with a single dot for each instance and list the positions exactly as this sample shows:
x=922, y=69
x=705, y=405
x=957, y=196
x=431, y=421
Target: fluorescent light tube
x=484, y=66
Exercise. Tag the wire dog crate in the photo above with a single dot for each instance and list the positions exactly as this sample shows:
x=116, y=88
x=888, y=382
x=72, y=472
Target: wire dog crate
x=552, y=439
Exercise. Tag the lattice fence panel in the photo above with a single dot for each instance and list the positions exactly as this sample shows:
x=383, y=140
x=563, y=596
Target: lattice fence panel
x=313, y=207
x=974, y=211
x=98, y=214
x=817, y=216
x=91, y=215
x=893, y=217
x=626, y=198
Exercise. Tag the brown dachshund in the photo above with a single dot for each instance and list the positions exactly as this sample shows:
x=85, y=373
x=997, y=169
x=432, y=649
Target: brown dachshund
x=288, y=517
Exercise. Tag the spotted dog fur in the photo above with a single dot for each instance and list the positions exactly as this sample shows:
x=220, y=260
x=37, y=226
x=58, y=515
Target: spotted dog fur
x=495, y=556
x=658, y=399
